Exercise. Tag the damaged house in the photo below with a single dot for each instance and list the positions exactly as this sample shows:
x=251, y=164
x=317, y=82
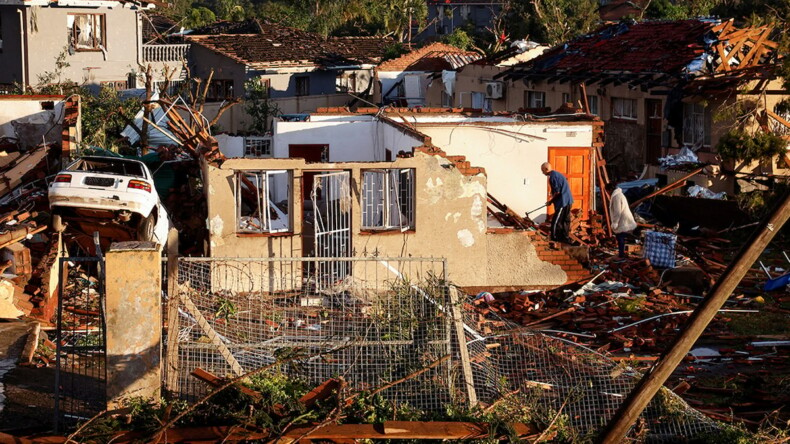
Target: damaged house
x=94, y=41
x=298, y=70
x=661, y=86
x=400, y=184
x=405, y=80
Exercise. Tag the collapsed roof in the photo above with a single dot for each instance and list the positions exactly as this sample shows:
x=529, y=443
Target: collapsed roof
x=435, y=57
x=658, y=53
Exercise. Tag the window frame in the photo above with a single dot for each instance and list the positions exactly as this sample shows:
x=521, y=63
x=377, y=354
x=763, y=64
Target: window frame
x=377, y=203
x=264, y=201
x=226, y=86
x=253, y=149
x=99, y=46
x=700, y=116
x=529, y=95
x=594, y=110
x=302, y=86
x=634, y=105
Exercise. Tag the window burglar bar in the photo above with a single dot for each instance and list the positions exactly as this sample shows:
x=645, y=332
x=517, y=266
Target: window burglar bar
x=257, y=195
x=388, y=199
x=257, y=146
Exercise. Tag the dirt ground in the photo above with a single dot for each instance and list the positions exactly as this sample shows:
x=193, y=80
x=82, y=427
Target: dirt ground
x=27, y=398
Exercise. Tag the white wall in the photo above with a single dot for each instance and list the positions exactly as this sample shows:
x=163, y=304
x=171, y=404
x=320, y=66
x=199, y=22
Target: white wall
x=230, y=146
x=350, y=139
x=389, y=78
x=512, y=161
x=28, y=110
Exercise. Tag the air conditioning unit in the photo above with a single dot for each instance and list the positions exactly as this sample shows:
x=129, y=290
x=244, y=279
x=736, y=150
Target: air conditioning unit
x=495, y=90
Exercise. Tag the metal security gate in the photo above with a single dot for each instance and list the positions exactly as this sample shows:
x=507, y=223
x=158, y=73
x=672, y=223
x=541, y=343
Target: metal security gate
x=331, y=196
x=80, y=372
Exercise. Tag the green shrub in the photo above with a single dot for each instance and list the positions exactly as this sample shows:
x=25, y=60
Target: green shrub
x=740, y=145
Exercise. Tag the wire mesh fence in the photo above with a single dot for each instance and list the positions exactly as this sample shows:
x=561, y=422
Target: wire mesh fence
x=385, y=321
x=80, y=372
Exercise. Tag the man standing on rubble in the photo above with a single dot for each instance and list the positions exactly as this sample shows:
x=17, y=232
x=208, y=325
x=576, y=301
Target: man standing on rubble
x=621, y=217
x=562, y=199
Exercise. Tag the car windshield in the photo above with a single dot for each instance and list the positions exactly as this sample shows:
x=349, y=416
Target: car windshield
x=118, y=167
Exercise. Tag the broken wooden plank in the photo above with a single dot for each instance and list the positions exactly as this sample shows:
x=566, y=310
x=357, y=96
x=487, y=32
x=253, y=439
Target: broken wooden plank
x=215, y=381
x=676, y=184
x=12, y=178
x=211, y=333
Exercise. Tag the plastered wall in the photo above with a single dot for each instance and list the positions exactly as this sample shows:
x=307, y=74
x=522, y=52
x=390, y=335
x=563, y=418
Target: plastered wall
x=450, y=222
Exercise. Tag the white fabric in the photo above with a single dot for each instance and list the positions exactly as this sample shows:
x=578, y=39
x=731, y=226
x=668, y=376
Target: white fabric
x=622, y=219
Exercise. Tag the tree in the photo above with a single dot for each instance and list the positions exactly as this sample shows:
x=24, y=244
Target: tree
x=258, y=106
x=197, y=17
x=459, y=38
x=562, y=20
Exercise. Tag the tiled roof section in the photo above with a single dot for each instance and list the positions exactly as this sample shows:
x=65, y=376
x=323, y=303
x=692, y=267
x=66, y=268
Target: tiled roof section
x=252, y=26
x=279, y=46
x=432, y=58
x=662, y=47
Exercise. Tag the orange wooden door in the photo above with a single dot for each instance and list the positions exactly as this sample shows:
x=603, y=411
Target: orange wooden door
x=574, y=164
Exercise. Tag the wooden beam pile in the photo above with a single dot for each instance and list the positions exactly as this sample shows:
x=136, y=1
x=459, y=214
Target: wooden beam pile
x=507, y=216
x=739, y=49
x=193, y=132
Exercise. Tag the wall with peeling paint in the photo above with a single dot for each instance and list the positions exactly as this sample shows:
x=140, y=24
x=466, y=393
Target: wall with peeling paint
x=511, y=154
x=450, y=222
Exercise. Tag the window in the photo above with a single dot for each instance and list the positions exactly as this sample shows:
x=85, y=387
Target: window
x=447, y=100
x=347, y=82
x=592, y=101
x=257, y=146
x=263, y=201
x=219, y=89
x=86, y=32
x=388, y=199
x=696, y=124
x=623, y=108
x=303, y=86
x=477, y=100
x=534, y=99
x=566, y=98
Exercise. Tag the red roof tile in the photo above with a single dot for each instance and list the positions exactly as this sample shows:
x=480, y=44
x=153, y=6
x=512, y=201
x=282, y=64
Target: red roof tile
x=433, y=58
x=264, y=45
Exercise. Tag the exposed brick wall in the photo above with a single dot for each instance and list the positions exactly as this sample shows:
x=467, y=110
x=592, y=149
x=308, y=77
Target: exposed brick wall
x=571, y=266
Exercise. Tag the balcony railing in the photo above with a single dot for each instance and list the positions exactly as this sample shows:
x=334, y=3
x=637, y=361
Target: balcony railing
x=165, y=53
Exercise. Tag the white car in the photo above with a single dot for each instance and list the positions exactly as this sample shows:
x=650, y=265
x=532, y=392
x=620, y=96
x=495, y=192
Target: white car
x=112, y=195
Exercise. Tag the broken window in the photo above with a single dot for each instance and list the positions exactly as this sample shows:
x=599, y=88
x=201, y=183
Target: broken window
x=592, y=101
x=534, y=99
x=388, y=199
x=257, y=146
x=86, y=32
x=303, y=86
x=623, y=108
x=263, y=201
x=696, y=124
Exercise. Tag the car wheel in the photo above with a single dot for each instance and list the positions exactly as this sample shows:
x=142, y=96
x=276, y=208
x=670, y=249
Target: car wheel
x=57, y=223
x=145, y=231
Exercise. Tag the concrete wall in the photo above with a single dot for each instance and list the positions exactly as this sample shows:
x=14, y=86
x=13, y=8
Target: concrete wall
x=11, y=55
x=47, y=38
x=133, y=320
x=512, y=161
x=450, y=212
x=24, y=118
x=350, y=139
x=203, y=61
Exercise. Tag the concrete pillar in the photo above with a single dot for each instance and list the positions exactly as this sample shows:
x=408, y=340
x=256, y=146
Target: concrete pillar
x=133, y=282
